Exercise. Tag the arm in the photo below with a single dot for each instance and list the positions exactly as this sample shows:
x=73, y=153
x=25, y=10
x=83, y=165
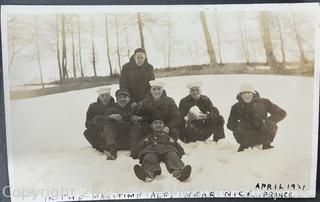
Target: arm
x=183, y=108
x=213, y=111
x=174, y=115
x=277, y=113
x=89, y=117
x=233, y=120
x=123, y=83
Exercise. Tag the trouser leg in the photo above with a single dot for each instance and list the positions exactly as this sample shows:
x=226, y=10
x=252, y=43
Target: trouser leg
x=95, y=138
x=244, y=136
x=135, y=135
x=268, y=132
x=151, y=162
x=217, y=128
x=110, y=133
x=173, y=161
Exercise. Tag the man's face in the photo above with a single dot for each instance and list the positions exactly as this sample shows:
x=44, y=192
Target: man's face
x=157, y=125
x=139, y=58
x=156, y=92
x=195, y=92
x=247, y=96
x=105, y=98
x=123, y=100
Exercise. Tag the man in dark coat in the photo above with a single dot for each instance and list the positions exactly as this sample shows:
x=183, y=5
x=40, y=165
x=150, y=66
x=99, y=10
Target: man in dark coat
x=135, y=76
x=250, y=120
x=122, y=129
x=159, y=146
x=95, y=118
x=158, y=103
x=200, y=119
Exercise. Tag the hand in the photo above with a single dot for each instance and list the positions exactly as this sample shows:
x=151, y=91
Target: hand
x=202, y=117
x=134, y=104
x=166, y=130
x=146, y=139
x=171, y=140
x=191, y=116
x=135, y=118
x=116, y=117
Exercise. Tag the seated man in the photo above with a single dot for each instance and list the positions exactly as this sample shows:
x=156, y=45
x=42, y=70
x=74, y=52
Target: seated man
x=122, y=129
x=200, y=119
x=249, y=119
x=158, y=103
x=156, y=147
x=95, y=118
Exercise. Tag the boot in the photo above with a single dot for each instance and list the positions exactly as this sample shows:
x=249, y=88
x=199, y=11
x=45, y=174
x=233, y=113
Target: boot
x=143, y=174
x=267, y=146
x=182, y=174
x=242, y=148
x=112, y=153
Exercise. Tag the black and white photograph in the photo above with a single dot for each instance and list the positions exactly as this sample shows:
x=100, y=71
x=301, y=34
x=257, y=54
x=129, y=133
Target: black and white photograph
x=171, y=101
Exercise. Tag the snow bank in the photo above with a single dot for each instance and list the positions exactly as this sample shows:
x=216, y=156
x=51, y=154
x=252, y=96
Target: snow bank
x=50, y=150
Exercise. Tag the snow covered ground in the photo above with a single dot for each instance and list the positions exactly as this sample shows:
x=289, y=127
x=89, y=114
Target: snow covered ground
x=49, y=150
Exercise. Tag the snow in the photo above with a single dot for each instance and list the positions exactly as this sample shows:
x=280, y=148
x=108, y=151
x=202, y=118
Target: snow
x=50, y=152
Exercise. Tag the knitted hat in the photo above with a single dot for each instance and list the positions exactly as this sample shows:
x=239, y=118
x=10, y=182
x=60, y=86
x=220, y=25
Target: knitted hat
x=194, y=84
x=139, y=50
x=156, y=83
x=247, y=87
x=157, y=117
x=104, y=90
x=122, y=92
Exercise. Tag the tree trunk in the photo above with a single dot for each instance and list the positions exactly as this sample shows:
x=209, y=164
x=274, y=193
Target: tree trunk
x=283, y=54
x=79, y=44
x=303, y=59
x=266, y=37
x=38, y=56
x=169, y=43
x=64, y=51
x=108, y=47
x=140, y=24
x=58, y=48
x=93, y=49
x=211, y=53
x=243, y=40
x=127, y=41
x=73, y=52
x=118, y=48
x=218, y=38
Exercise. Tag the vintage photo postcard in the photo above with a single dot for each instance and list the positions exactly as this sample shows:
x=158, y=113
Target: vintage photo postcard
x=134, y=102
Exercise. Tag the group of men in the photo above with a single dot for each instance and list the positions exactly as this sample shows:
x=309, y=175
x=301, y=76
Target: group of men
x=146, y=121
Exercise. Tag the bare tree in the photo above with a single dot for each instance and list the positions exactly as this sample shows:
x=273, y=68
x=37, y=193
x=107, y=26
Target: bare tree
x=140, y=25
x=93, y=48
x=79, y=44
x=243, y=37
x=118, y=48
x=266, y=38
x=38, y=54
x=218, y=38
x=303, y=59
x=127, y=41
x=108, y=47
x=58, y=47
x=73, y=50
x=283, y=54
x=210, y=50
x=169, y=41
x=64, y=50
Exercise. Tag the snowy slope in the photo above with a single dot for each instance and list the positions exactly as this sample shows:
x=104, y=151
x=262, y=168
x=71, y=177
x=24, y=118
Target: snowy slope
x=50, y=151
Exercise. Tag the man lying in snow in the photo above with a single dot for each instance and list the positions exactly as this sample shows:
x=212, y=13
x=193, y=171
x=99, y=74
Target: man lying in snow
x=200, y=119
x=122, y=129
x=159, y=146
x=96, y=119
x=249, y=119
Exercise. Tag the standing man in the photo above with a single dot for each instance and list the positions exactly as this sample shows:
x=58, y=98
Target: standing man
x=200, y=119
x=158, y=103
x=250, y=120
x=96, y=119
x=122, y=130
x=135, y=76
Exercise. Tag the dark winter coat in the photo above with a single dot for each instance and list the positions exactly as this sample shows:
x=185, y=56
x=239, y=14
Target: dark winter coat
x=164, y=107
x=136, y=79
x=97, y=109
x=158, y=143
x=126, y=112
x=254, y=114
x=204, y=103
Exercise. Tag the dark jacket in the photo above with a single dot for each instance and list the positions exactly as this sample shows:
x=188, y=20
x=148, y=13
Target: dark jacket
x=136, y=79
x=97, y=109
x=254, y=114
x=156, y=142
x=126, y=112
x=204, y=103
x=164, y=107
